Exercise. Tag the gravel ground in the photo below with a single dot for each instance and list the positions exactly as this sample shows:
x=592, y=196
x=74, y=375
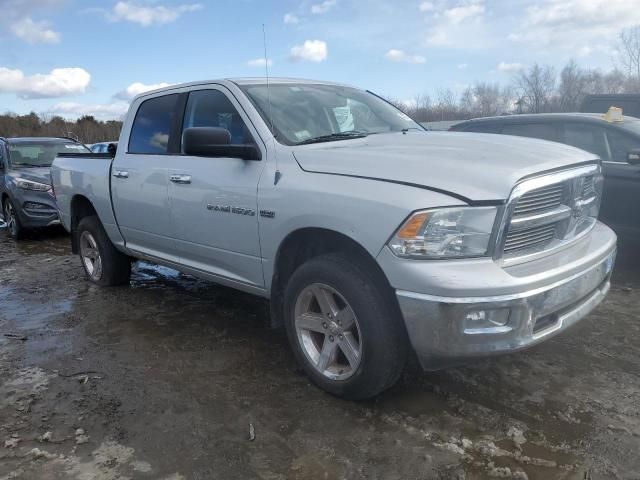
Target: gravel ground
x=175, y=378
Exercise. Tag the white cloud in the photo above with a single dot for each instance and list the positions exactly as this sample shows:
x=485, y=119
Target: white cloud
x=506, y=67
x=426, y=6
x=151, y=14
x=457, y=15
x=571, y=24
x=137, y=88
x=108, y=111
x=34, y=32
x=259, y=62
x=462, y=66
x=401, y=56
x=17, y=19
x=323, y=7
x=449, y=26
x=57, y=83
x=585, y=51
x=290, y=18
x=312, y=50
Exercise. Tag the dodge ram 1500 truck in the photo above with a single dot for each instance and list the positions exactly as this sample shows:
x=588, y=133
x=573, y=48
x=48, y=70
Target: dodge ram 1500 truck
x=369, y=235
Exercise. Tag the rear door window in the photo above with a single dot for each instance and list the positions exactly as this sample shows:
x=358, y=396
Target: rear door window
x=586, y=137
x=543, y=131
x=153, y=125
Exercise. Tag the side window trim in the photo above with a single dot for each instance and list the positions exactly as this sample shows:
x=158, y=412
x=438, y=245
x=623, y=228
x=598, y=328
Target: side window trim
x=175, y=136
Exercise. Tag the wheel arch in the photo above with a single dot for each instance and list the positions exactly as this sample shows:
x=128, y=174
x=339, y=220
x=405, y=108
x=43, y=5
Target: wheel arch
x=309, y=242
x=81, y=207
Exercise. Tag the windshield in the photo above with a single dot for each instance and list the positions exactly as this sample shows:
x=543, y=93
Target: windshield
x=40, y=154
x=302, y=113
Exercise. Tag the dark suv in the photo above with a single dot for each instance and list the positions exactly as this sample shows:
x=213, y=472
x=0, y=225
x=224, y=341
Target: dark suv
x=617, y=143
x=25, y=183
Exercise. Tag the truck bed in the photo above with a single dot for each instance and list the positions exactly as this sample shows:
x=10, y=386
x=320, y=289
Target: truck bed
x=85, y=175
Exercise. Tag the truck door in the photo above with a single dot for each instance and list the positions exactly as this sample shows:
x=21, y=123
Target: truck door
x=139, y=179
x=214, y=200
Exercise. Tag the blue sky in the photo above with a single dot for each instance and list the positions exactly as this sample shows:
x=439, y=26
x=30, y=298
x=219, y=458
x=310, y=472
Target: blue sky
x=74, y=57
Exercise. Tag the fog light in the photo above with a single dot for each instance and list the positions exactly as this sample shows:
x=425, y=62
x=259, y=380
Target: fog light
x=487, y=321
x=36, y=206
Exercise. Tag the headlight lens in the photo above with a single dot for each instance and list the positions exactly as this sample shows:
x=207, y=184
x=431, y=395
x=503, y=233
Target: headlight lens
x=455, y=232
x=29, y=185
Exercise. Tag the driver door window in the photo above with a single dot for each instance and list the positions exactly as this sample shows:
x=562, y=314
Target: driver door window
x=212, y=108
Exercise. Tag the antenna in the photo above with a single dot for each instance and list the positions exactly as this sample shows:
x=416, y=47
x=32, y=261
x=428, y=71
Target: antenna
x=273, y=134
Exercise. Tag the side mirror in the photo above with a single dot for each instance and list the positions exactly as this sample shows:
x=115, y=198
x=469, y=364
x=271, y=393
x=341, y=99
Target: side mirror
x=215, y=142
x=112, y=148
x=633, y=157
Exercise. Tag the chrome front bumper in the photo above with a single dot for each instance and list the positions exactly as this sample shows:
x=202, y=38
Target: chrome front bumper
x=442, y=330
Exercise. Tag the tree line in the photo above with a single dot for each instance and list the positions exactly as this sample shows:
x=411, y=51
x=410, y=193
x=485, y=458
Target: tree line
x=537, y=89
x=85, y=129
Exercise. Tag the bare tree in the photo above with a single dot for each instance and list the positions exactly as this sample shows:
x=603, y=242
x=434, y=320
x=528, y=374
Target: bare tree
x=536, y=87
x=629, y=51
x=446, y=107
x=574, y=85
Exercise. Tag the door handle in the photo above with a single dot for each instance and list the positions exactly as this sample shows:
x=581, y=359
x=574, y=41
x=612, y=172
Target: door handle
x=181, y=179
x=120, y=174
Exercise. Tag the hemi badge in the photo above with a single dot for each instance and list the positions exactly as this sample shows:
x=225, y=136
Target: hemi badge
x=267, y=213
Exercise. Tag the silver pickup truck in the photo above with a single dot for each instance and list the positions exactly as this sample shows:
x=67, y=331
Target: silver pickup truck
x=369, y=235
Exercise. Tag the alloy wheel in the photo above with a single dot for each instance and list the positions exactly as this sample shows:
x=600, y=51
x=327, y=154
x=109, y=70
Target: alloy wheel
x=90, y=255
x=10, y=218
x=328, y=331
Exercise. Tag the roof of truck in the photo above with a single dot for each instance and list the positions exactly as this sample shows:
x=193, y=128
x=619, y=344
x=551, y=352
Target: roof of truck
x=245, y=81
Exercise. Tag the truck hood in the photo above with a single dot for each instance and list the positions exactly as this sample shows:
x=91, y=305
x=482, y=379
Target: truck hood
x=471, y=166
x=36, y=174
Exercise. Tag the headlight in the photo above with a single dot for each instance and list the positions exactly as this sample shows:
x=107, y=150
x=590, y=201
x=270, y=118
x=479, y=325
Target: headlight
x=29, y=185
x=454, y=232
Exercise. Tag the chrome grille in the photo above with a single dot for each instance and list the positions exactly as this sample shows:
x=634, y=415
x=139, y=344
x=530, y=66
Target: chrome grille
x=547, y=212
x=529, y=237
x=539, y=200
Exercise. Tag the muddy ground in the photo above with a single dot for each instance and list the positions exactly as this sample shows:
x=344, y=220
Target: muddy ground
x=175, y=378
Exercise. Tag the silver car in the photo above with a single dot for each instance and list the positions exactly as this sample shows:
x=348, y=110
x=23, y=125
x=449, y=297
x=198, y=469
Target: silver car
x=369, y=235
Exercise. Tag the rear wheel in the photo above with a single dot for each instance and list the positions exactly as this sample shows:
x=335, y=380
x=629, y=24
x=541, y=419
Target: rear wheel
x=103, y=264
x=14, y=227
x=343, y=327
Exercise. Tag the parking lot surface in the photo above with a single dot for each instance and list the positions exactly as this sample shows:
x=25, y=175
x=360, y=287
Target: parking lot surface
x=176, y=378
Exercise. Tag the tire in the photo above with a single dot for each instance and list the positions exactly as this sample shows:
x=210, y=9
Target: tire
x=103, y=264
x=353, y=358
x=11, y=218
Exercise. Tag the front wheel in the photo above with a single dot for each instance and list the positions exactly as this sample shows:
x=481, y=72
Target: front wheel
x=103, y=264
x=14, y=226
x=343, y=327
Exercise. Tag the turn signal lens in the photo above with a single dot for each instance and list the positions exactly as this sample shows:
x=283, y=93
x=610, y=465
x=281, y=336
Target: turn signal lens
x=412, y=227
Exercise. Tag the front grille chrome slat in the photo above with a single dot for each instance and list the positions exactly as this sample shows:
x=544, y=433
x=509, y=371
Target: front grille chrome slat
x=550, y=211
